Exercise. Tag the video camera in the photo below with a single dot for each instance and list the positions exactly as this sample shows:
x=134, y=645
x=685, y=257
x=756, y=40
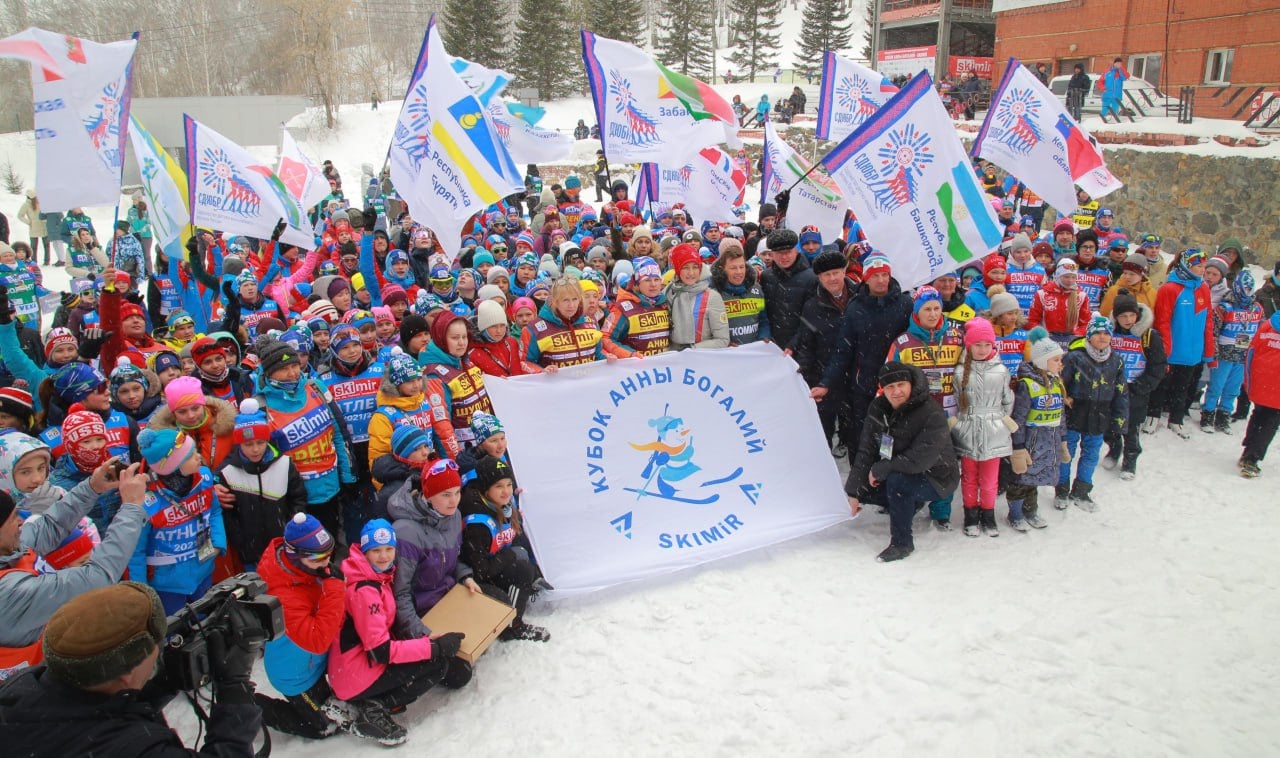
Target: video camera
x=238, y=607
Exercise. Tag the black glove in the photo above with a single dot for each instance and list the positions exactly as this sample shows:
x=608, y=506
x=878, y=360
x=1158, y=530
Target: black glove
x=783, y=200
x=5, y=316
x=193, y=247
x=229, y=290
x=232, y=655
x=370, y=218
x=446, y=645
x=91, y=342
x=280, y=227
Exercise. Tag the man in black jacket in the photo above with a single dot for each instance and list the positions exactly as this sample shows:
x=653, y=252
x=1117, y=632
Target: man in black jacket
x=100, y=650
x=788, y=283
x=905, y=451
x=880, y=311
x=819, y=335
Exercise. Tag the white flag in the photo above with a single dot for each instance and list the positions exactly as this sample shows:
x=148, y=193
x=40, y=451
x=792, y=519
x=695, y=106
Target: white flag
x=81, y=94
x=165, y=186
x=815, y=201
x=716, y=186
x=686, y=459
x=850, y=93
x=301, y=176
x=487, y=83
x=231, y=191
x=525, y=142
x=447, y=161
x=910, y=184
x=1029, y=133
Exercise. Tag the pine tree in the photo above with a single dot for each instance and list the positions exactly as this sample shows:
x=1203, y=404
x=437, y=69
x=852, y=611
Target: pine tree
x=548, y=51
x=757, y=45
x=821, y=30
x=471, y=30
x=616, y=19
x=684, y=41
x=869, y=33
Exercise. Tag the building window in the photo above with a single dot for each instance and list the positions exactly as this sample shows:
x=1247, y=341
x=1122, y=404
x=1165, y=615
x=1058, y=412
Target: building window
x=1217, y=66
x=1146, y=67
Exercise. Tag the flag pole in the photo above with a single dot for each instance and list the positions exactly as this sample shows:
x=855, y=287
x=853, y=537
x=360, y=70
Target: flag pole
x=126, y=102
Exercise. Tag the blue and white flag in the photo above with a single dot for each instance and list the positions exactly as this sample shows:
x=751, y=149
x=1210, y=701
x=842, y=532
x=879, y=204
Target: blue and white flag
x=164, y=184
x=666, y=463
x=815, y=198
x=487, y=83
x=230, y=190
x=909, y=182
x=850, y=93
x=525, y=142
x=447, y=160
x=1029, y=133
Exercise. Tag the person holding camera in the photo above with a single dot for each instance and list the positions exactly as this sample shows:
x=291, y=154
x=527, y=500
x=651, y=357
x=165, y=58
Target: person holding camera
x=28, y=596
x=100, y=649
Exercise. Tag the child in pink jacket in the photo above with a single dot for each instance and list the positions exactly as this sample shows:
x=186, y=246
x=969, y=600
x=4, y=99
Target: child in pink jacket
x=367, y=665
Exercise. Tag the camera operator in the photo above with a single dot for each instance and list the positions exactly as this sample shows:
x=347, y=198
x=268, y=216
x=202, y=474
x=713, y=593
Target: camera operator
x=88, y=697
x=28, y=597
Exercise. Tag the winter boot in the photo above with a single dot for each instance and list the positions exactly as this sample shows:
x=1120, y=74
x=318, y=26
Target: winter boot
x=942, y=525
x=375, y=723
x=1249, y=468
x=1181, y=430
x=1035, y=520
x=1151, y=425
x=1129, y=468
x=340, y=712
x=523, y=631
x=972, y=520
x=1222, y=421
x=1016, y=520
x=989, y=522
x=1111, y=459
x=456, y=674
x=895, y=553
x=1206, y=421
x=1062, y=496
x=1080, y=496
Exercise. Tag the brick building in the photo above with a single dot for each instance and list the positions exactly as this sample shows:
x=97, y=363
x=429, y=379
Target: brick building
x=1229, y=50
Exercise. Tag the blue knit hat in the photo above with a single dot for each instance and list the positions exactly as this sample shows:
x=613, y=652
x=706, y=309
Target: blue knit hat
x=397, y=256
x=178, y=318
x=317, y=324
x=1097, y=325
x=165, y=450
x=426, y=303
x=377, y=533
x=251, y=422
x=76, y=381
x=485, y=425
x=245, y=277
x=126, y=372
x=405, y=439
x=483, y=257
x=401, y=367
x=301, y=341
x=924, y=295
x=305, y=534
x=341, y=335
x=810, y=234
x=165, y=359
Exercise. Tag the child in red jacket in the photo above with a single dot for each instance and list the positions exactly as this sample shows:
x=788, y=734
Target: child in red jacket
x=1061, y=307
x=497, y=353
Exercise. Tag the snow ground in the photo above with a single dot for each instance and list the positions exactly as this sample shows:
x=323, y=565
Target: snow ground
x=1143, y=629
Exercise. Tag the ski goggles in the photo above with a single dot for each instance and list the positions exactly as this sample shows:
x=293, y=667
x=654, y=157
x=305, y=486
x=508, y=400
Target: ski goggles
x=441, y=466
x=1149, y=240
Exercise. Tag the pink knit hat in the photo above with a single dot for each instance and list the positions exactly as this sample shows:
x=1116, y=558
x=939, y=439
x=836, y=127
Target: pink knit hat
x=183, y=391
x=978, y=330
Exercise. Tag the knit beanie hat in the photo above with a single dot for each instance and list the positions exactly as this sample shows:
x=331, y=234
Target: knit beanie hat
x=59, y=335
x=828, y=260
x=995, y=262
x=1043, y=348
x=1065, y=225
x=342, y=335
x=1098, y=324
x=496, y=273
x=204, y=347
x=411, y=326
x=485, y=425
x=382, y=313
x=1192, y=256
x=490, y=471
x=305, y=534
x=1002, y=303
x=1065, y=267
x=274, y=354
x=894, y=371
x=924, y=295
x=396, y=256
x=978, y=329
x=1137, y=263
x=394, y=293
x=126, y=372
x=184, y=391
x=75, y=381
x=251, y=423
x=401, y=367
x=16, y=402
x=490, y=292
x=165, y=450
x=298, y=337
x=164, y=359
x=1125, y=302
x=179, y=318
x=127, y=623
x=1219, y=263
x=438, y=476
x=1020, y=241
x=874, y=264
x=1242, y=287
x=323, y=309
x=131, y=310
x=729, y=245
x=490, y=313
x=781, y=240
x=77, y=545
x=377, y=533
x=681, y=256
x=245, y=277
x=80, y=424
x=810, y=234
x=523, y=303
x=336, y=285
x=407, y=438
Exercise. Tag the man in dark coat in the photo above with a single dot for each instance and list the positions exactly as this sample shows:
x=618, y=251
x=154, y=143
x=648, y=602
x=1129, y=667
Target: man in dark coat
x=788, y=282
x=880, y=311
x=905, y=451
x=819, y=335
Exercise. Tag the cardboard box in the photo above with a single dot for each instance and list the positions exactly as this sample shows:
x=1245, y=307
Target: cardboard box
x=478, y=616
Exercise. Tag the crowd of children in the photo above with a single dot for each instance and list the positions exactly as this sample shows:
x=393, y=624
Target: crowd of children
x=321, y=416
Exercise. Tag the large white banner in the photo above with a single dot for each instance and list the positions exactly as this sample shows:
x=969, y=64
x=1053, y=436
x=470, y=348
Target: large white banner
x=81, y=98
x=1029, y=133
x=657, y=465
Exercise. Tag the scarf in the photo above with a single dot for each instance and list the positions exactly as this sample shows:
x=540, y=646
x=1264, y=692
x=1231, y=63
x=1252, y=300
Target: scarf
x=204, y=418
x=39, y=499
x=1099, y=356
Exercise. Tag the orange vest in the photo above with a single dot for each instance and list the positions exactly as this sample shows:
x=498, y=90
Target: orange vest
x=14, y=659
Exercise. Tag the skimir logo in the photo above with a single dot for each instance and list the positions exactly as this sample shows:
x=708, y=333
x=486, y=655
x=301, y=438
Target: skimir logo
x=1016, y=117
x=675, y=465
x=852, y=96
x=103, y=125
x=903, y=158
x=639, y=127
x=412, y=138
x=232, y=192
